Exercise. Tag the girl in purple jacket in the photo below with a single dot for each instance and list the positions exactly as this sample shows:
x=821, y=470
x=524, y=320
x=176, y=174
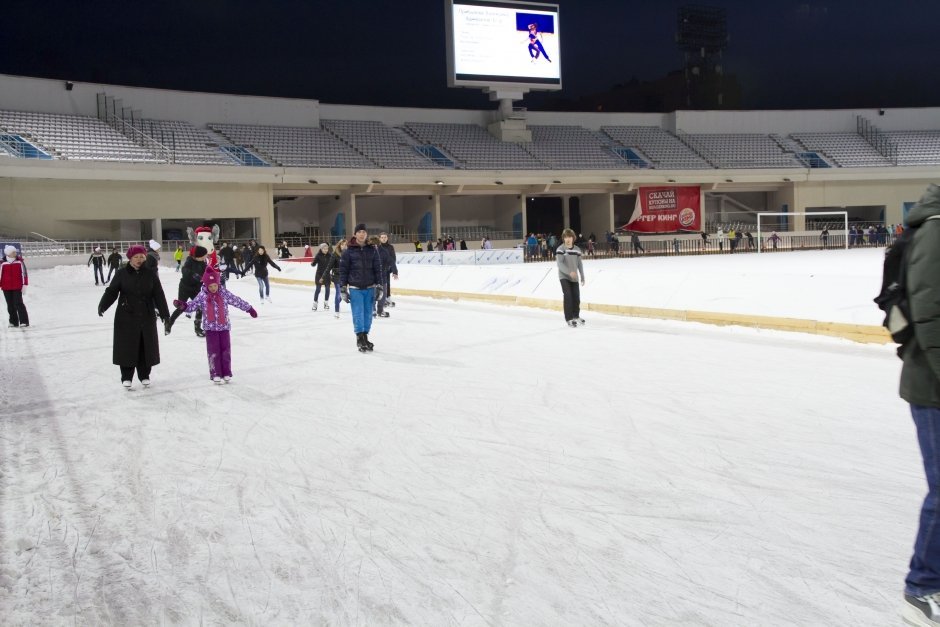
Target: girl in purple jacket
x=213, y=300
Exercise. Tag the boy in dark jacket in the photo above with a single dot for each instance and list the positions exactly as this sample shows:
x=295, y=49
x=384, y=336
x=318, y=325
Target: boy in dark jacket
x=190, y=284
x=360, y=270
x=920, y=386
x=97, y=260
x=389, y=267
x=323, y=261
x=114, y=263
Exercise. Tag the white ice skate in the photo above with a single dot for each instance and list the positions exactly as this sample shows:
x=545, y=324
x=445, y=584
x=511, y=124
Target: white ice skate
x=314, y=308
x=127, y=385
x=580, y=321
x=227, y=379
x=145, y=383
x=217, y=380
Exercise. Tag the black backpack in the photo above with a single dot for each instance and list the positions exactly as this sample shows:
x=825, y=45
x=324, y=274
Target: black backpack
x=893, y=297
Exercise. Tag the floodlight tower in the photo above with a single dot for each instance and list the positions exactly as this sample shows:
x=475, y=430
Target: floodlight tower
x=702, y=35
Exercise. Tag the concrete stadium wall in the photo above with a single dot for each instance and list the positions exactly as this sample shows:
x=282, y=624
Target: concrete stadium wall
x=66, y=209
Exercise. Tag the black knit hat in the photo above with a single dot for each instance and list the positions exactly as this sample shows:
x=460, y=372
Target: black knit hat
x=200, y=252
x=360, y=227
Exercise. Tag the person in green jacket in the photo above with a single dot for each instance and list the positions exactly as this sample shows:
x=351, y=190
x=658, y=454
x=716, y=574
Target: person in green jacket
x=178, y=255
x=920, y=386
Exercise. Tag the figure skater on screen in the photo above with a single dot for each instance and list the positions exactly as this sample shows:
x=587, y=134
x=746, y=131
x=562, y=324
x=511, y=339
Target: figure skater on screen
x=535, y=43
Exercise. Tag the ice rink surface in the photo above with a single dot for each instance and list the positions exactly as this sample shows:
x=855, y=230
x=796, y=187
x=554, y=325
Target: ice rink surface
x=485, y=465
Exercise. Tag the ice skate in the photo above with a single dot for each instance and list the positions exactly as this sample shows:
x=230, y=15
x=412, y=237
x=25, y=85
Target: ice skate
x=217, y=380
x=227, y=379
x=314, y=308
x=336, y=315
x=365, y=340
x=167, y=326
x=580, y=321
x=326, y=306
x=200, y=332
x=145, y=383
x=389, y=303
x=360, y=343
x=573, y=324
x=12, y=326
x=921, y=611
x=385, y=314
x=127, y=385
x=268, y=299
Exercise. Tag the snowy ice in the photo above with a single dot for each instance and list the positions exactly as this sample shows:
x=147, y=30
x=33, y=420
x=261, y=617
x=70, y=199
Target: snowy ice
x=486, y=465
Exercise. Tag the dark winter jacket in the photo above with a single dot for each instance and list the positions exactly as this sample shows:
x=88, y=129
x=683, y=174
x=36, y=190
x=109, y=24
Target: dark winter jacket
x=115, y=259
x=153, y=260
x=324, y=264
x=138, y=293
x=96, y=259
x=360, y=266
x=920, y=375
x=388, y=258
x=227, y=255
x=260, y=263
x=284, y=252
x=191, y=279
x=334, y=266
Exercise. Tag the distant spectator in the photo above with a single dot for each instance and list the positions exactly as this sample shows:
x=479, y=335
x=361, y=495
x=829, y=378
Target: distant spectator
x=774, y=239
x=704, y=240
x=750, y=240
x=732, y=240
x=283, y=252
x=824, y=236
x=532, y=245
x=417, y=246
x=675, y=244
x=463, y=244
x=635, y=242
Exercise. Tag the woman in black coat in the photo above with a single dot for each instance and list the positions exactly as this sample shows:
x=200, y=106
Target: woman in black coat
x=138, y=292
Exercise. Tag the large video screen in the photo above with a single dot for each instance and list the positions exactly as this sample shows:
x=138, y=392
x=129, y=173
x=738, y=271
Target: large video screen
x=498, y=42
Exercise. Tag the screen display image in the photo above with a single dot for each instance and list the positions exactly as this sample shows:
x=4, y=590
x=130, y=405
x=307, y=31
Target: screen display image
x=494, y=42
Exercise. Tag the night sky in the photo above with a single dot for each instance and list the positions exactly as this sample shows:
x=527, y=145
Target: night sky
x=815, y=54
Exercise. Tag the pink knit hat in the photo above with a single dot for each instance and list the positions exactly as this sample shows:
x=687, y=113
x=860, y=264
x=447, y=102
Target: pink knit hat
x=136, y=249
x=211, y=276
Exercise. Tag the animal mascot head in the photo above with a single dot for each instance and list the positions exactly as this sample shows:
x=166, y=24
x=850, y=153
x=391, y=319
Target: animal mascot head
x=205, y=237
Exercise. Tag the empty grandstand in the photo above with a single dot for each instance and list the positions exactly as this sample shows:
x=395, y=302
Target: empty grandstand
x=572, y=148
x=741, y=150
x=664, y=150
x=917, y=147
x=473, y=147
x=188, y=144
x=386, y=146
x=294, y=146
x=74, y=137
x=848, y=150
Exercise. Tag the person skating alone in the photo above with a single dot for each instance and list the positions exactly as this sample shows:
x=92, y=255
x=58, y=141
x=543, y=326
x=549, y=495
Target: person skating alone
x=920, y=387
x=360, y=270
x=390, y=266
x=259, y=264
x=114, y=263
x=178, y=257
x=97, y=260
x=138, y=292
x=213, y=301
x=334, y=275
x=568, y=259
x=190, y=284
x=283, y=252
x=323, y=262
x=13, y=281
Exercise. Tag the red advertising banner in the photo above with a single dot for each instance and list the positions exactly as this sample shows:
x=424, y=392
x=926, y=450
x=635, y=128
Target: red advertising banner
x=666, y=210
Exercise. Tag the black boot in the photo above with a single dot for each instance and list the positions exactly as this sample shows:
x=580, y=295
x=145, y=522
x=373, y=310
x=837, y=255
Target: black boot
x=360, y=342
x=199, y=330
x=365, y=340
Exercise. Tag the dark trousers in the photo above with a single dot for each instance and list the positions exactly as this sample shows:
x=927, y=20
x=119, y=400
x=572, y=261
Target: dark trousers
x=16, y=308
x=111, y=270
x=924, y=575
x=143, y=370
x=219, y=351
x=326, y=296
x=183, y=296
x=572, y=293
x=99, y=271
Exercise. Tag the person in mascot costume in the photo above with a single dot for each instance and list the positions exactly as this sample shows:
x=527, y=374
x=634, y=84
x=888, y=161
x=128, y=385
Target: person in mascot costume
x=205, y=237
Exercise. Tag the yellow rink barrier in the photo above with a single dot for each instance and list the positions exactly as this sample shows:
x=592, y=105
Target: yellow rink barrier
x=863, y=333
